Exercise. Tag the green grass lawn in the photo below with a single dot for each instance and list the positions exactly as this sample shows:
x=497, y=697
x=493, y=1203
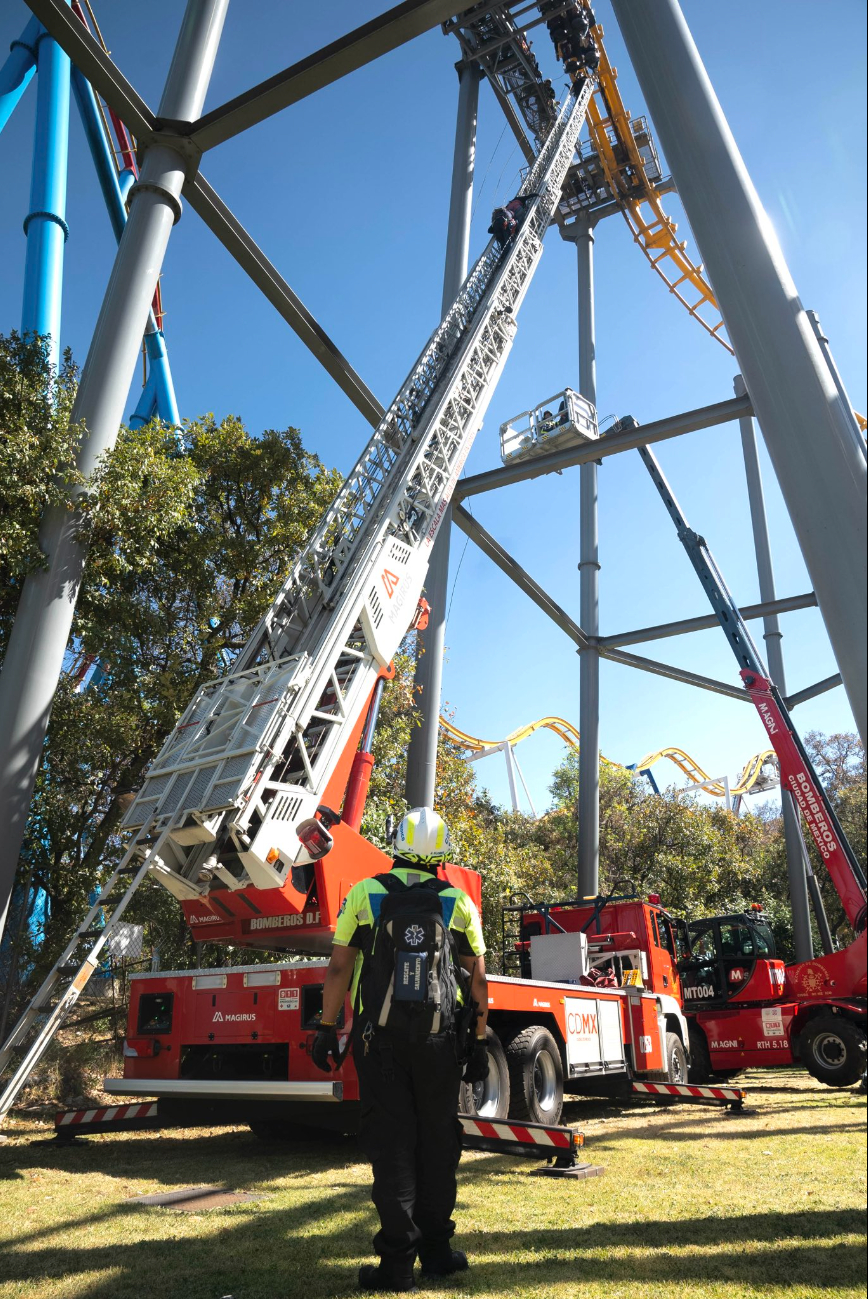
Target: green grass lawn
x=694, y=1203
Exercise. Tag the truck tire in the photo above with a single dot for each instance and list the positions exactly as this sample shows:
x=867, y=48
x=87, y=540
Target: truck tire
x=536, y=1076
x=699, y=1070
x=832, y=1049
x=676, y=1059
x=488, y=1099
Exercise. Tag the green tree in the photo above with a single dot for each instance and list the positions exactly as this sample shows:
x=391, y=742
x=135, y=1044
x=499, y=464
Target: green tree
x=701, y=860
x=37, y=454
x=188, y=544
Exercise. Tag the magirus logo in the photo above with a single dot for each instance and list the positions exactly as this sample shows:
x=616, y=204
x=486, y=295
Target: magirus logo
x=220, y=1018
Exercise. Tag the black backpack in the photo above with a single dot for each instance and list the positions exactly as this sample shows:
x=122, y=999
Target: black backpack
x=411, y=972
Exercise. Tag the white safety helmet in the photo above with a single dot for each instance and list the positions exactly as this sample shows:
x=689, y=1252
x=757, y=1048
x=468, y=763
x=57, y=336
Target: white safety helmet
x=422, y=836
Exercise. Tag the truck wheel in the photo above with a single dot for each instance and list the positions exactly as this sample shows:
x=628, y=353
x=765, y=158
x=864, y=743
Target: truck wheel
x=676, y=1059
x=489, y=1099
x=832, y=1049
x=699, y=1070
x=536, y=1076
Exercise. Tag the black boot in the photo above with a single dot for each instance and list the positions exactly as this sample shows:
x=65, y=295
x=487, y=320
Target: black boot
x=394, y=1278
x=442, y=1261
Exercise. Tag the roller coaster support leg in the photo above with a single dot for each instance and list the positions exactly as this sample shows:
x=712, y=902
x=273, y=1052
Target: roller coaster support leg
x=44, y=225
x=159, y=394
x=775, y=656
x=806, y=428
x=34, y=657
x=589, y=591
x=165, y=403
x=17, y=72
x=104, y=164
x=422, y=753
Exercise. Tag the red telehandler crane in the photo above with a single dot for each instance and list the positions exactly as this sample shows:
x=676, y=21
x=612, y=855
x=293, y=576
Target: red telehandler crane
x=744, y=1008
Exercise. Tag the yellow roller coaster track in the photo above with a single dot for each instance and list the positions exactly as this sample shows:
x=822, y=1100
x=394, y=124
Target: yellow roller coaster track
x=610, y=129
x=570, y=736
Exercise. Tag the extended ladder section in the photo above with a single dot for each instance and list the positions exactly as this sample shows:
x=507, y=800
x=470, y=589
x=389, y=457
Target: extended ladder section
x=254, y=751
x=797, y=771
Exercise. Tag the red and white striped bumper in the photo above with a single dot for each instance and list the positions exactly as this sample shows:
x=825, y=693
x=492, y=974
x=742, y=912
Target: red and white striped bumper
x=504, y=1137
x=69, y=1122
x=688, y=1092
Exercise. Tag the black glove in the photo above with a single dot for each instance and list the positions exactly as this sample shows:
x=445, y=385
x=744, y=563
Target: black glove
x=325, y=1044
x=476, y=1069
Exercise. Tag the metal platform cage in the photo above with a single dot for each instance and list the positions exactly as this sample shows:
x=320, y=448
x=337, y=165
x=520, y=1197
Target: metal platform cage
x=587, y=184
x=563, y=420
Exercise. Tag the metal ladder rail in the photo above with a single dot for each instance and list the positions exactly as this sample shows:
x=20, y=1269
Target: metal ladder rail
x=424, y=472
x=332, y=547
x=490, y=277
x=70, y=995
x=746, y=652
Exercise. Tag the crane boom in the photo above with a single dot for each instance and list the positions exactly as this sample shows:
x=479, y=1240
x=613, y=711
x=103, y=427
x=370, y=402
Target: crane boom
x=252, y=754
x=797, y=770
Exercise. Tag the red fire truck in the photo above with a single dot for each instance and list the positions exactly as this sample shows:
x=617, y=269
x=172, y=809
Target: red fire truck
x=585, y=1012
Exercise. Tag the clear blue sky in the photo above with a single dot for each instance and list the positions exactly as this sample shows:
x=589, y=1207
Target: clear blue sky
x=347, y=192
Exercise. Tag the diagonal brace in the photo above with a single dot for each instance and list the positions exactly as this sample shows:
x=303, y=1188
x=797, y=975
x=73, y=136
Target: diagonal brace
x=505, y=562
x=92, y=61
x=675, y=674
x=231, y=233
x=362, y=45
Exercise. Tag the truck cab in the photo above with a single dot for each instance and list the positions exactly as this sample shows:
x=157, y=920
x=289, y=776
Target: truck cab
x=732, y=960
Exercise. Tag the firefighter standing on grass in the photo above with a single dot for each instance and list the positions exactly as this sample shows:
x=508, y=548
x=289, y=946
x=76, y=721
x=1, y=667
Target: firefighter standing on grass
x=411, y=946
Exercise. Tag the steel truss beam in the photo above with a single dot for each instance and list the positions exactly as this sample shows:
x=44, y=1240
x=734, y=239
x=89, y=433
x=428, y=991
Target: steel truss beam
x=231, y=233
x=811, y=692
x=676, y=674
x=664, y=629
x=513, y=570
x=354, y=50
x=722, y=412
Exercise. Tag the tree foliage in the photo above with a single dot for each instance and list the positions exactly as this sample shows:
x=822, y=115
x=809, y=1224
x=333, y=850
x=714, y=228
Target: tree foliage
x=187, y=543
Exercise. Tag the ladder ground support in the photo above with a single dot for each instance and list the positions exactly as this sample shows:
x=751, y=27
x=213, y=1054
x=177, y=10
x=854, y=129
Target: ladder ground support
x=732, y=1097
x=254, y=750
x=71, y=960
x=558, y=1143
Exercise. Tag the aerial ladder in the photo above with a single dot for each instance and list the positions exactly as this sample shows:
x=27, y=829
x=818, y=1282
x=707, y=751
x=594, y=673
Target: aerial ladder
x=839, y=973
x=233, y=817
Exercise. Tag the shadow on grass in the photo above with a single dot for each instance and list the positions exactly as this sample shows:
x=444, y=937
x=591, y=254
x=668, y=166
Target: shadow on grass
x=275, y=1255
x=184, y=1156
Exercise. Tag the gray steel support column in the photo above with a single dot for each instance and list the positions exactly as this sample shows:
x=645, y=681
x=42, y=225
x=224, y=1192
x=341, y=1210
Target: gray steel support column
x=805, y=426
x=589, y=589
x=34, y=657
x=428, y=680
x=796, y=875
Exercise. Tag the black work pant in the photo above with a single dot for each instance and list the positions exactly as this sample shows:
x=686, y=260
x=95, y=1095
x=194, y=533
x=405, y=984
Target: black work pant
x=411, y=1134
